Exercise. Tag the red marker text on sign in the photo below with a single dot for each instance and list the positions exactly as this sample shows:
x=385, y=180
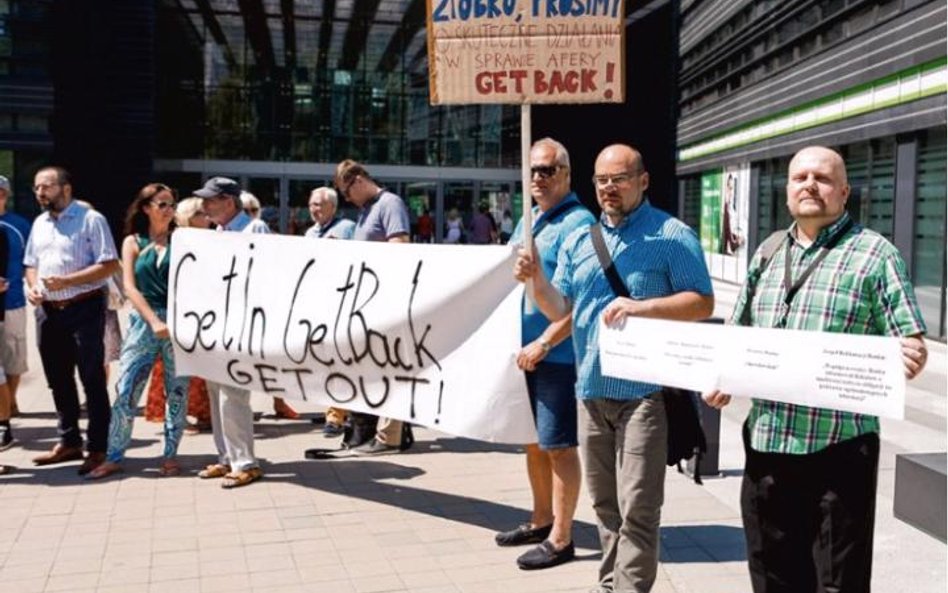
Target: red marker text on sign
x=557, y=82
x=497, y=82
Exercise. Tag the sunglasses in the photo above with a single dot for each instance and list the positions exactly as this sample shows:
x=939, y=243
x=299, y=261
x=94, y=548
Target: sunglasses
x=162, y=205
x=544, y=171
x=344, y=191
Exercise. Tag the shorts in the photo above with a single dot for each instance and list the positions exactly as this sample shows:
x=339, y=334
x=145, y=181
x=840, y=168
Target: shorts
x=552, y=390
x=13, y=342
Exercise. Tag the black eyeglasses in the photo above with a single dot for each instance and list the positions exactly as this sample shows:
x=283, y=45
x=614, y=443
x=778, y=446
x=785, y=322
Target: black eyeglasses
x=345, y=190
x=544, y=171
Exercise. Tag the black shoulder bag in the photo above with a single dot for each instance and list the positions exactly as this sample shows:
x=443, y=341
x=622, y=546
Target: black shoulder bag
x=686, y=437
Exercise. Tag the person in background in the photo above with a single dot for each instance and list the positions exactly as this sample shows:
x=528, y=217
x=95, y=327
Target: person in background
x=425, y=227
x=251, y=206
x=189, y=213
x=506, y=227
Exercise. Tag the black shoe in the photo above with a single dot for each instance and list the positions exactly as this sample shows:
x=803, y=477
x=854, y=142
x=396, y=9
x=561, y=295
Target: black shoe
x=545, y=556
x=6, y=437
x=522, y=535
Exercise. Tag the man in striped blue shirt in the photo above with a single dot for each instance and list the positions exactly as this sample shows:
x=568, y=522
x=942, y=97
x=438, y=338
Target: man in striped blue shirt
x=622, y=424
x=69, y=256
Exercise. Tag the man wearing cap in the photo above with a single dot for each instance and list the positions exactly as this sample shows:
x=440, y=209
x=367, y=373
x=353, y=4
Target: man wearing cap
x=15, y=230
x=383, y=216
x=231, y=414
x=69, y=256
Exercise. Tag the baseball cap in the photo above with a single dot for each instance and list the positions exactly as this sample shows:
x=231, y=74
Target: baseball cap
x=216, y=186
x=4, y=183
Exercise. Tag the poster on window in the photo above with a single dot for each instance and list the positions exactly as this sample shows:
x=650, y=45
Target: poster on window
x=724, y=221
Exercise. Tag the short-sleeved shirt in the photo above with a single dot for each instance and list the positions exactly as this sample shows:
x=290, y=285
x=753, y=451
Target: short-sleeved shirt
x=244, y=224
x=74, y=240
x=861, y=287
x=338, y=228
x=151, y=273
x=549, y=235
x=17, y=230
x=655, y=254
x=382, y=218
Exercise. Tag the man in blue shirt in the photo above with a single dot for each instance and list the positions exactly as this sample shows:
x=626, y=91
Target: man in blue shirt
x=547, y=360
x=69, y=256
x=622, y=424
x=13, y=356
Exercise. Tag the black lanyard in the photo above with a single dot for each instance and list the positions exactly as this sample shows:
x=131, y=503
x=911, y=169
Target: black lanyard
x=325, y=229
x=550, y=215
x=791, y=287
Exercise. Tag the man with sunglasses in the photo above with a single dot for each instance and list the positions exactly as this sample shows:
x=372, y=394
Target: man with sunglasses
x=69, y=257
x=231, y=414
x=549, y=365
x=383, y=216
x=622, y=424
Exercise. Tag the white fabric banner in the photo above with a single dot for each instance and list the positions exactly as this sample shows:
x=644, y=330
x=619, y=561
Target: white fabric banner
x=862, y=374
x=423, y=333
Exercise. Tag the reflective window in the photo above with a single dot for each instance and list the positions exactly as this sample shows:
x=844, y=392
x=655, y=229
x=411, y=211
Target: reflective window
x=929, y=245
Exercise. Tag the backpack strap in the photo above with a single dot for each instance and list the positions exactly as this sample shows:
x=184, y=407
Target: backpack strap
x=767, y=250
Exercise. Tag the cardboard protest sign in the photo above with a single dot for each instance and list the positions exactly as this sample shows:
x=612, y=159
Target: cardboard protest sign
x=526, y=51
x=422, y=333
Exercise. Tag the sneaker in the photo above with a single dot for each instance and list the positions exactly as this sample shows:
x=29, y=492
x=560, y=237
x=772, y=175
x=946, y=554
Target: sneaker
x=374, y=448
x=546, y=556
x=333, y=430
x=6, y=437
x=524, y=534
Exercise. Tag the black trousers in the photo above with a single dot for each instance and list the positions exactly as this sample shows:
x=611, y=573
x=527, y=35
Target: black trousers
x=71, y=338
x=808, y=519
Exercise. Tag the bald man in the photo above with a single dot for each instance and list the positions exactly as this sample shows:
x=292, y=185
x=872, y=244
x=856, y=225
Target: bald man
x=622, y=424
x=809, y=489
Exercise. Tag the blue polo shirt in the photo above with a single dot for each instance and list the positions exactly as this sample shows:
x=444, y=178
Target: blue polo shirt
x=549, y=235
x=381, y=218
x=655, y=254
x=17, y=229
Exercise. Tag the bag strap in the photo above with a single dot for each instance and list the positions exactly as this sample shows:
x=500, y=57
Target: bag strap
x=608, y=266
x=767, y=249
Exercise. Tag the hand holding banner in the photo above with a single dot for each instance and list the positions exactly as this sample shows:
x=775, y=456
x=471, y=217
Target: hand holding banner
x=861, y=374
x=422, y=333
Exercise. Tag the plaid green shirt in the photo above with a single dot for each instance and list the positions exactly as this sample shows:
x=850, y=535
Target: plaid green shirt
x=861, y=287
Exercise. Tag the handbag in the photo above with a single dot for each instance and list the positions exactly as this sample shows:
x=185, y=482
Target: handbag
x=686, y=437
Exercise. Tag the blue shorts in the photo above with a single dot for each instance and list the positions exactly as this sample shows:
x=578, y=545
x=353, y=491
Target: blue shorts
x=552, y=389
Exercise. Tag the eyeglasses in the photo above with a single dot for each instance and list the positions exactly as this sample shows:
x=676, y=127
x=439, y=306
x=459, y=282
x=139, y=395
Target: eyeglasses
x=617, y=179
x=345, y=191
x=544, y=171
x=162, y=205
x=42, y=186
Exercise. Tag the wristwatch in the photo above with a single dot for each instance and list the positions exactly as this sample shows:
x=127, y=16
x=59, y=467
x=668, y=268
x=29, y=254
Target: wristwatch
x=545, y=346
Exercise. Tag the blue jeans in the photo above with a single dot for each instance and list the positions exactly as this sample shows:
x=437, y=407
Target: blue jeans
x=139, y=351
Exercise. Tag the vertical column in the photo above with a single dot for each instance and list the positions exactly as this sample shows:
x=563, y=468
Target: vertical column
x=906, y=182
x=753, y=212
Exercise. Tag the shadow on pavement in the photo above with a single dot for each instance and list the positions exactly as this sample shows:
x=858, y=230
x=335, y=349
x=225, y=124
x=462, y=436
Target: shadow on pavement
x=702, y=543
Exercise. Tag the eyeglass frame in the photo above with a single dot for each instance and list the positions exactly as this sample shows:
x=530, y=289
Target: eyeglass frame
x=616, y=179
x=536, y=170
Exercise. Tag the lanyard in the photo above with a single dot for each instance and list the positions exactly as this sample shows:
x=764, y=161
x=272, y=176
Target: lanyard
x=550, y=215
x=791, y=287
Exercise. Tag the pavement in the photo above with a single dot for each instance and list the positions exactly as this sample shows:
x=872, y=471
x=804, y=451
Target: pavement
x=419, y=522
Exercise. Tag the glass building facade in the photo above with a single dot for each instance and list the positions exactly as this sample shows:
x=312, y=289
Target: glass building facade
x=761, y=79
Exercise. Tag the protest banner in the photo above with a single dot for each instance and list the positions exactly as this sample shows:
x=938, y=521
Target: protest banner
x=526, y=51
x=853, y=373
x=422, y=333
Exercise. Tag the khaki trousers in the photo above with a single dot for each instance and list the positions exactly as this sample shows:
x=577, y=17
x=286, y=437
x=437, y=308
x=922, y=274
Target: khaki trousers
x=623, y=445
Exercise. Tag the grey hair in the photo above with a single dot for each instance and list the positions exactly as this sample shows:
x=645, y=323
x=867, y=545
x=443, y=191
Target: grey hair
x=186, y=210
x=327, y=192
x=562, y=155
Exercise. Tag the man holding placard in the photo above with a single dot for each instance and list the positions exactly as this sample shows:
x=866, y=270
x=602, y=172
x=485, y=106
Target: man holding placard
x=547, y=360
x=809, y=489
x=622, y=424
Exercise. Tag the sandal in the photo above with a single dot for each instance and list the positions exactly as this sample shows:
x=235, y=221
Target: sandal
x=215, y=470
x=169, y=468
x=104, y=470
x=238, y=479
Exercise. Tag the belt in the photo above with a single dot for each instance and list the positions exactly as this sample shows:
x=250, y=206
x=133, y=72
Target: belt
x=82, y=296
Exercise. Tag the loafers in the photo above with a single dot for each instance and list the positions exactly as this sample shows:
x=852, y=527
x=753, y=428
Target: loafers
x=546, y=556
x=93, y=460
x=58, y=454
x=522, y=535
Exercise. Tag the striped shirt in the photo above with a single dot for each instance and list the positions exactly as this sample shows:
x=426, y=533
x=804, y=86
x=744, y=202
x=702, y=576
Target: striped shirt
x=655, y=254
x=73, y=241
x=862, y=287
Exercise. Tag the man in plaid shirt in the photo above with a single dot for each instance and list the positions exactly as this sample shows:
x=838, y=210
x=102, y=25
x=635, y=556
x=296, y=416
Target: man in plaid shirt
x=809, y=489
